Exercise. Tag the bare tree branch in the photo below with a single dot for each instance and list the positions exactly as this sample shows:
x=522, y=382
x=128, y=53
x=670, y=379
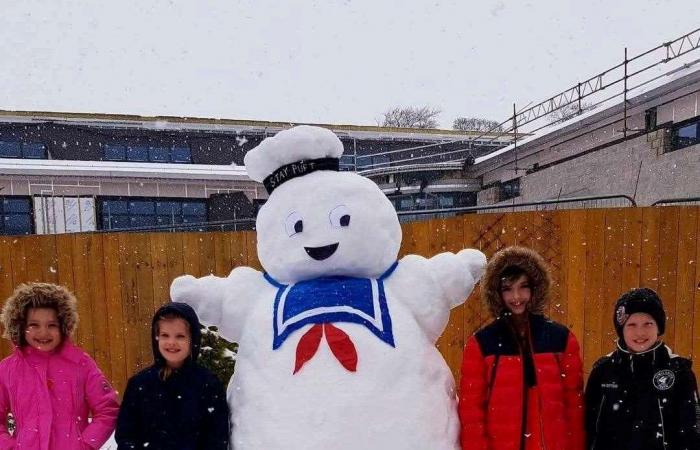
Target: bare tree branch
x=411, y=117
x=475, y=124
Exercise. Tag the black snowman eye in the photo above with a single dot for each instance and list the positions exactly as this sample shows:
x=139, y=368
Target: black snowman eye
x=294, y=224
x=340, y=216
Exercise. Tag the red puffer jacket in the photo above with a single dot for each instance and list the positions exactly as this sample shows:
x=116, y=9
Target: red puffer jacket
x=498, y=411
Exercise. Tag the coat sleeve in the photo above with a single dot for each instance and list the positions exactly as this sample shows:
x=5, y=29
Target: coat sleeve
x=472, y=397
x=7, y=442
x=104, y=407
x=593, y=398
x=128, y=433
x=572, y=373
x=215, y=435
x=688, y=430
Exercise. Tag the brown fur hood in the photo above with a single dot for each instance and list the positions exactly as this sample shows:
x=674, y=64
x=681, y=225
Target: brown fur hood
x=38, y=295
x=534, y=266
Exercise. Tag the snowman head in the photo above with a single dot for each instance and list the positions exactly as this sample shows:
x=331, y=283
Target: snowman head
x=318, y=221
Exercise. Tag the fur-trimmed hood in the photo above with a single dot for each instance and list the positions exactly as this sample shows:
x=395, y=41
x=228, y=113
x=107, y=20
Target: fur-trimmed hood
x=534, y=266
x=38, y=295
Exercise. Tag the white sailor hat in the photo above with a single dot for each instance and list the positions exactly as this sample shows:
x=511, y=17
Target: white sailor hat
x=293, y=153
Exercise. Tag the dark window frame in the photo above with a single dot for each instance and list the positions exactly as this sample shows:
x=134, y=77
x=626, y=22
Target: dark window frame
x=676, y=142
x=143, y=218
x=160, y=154
x=29, y=214
x=25, y=150
x=508, y=190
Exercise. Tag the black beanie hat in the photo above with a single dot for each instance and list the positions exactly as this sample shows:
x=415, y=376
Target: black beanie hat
x=640, y=300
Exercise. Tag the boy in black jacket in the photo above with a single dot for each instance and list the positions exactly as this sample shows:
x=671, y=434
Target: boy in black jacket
x=175, y=404
x=642, y=396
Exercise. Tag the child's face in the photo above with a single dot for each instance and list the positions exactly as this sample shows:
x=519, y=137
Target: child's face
x=43, y=331
x=516, y=294
x=174, y=340
x=640, y=332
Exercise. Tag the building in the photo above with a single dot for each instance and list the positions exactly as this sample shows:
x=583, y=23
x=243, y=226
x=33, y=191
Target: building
x=66, y=172
x=648, y=150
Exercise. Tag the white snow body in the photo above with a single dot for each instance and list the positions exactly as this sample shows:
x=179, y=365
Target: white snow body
x=399, y=397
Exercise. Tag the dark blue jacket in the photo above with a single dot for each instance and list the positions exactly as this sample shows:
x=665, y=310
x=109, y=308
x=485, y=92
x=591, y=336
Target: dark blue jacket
x=187, y=411
x=642, y=401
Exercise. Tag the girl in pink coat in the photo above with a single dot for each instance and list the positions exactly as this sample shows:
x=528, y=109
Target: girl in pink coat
x=50, y=386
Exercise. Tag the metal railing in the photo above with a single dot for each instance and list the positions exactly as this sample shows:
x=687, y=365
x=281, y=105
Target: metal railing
x=569, y=103
x=570, y=202
x=676, y=201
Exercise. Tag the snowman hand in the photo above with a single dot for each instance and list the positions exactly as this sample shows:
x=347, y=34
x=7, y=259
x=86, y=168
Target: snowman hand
x=205, y=295
x=457, y=273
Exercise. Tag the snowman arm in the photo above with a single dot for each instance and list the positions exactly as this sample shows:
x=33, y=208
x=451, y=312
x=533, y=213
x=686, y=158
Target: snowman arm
x=456, y=274
x=218, y=301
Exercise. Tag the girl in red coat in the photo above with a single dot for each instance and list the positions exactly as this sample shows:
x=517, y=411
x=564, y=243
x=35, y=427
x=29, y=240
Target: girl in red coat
x=522, y=381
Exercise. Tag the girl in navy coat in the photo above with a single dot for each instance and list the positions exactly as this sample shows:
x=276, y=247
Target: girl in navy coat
x=175, y=404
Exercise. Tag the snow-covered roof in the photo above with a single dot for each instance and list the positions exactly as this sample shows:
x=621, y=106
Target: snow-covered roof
x=163, y=123
x=109, y=169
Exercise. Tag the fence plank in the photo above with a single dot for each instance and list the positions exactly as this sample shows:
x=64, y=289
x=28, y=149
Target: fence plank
x=632, y=249
x=650, y=248
x=576, y=273
x=117, y=327
x=593, y=315
x=696, y=303
x=668, y=264
x=100, y=308
x=82, y=282
x=159, y=263
x=685, y=280
x=6, y=284
x=612, y=268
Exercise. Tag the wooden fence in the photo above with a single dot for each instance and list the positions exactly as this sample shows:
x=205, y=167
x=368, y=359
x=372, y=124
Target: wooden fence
x=595, y=255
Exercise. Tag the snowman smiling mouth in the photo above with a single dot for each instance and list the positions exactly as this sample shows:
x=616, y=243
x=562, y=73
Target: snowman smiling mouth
x=321, y=253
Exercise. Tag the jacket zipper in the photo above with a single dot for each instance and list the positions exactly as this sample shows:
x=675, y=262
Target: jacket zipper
x=523, y=423
x=542, y=441
x=663, y=426
x=597, y=422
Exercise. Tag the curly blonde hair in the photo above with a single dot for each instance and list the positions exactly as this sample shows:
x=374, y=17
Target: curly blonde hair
x=38, y=295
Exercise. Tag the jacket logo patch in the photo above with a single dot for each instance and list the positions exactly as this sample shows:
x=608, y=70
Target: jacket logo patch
x=621, y=315
x=609, y=385
x=664, y=379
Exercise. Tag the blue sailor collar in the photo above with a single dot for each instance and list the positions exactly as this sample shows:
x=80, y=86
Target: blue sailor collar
x=329, y=300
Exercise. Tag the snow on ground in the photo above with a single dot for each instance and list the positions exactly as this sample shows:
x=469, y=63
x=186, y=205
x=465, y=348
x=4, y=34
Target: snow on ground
x=110, y=444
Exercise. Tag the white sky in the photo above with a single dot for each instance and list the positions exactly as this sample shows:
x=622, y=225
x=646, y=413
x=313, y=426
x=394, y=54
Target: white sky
x=325, y=61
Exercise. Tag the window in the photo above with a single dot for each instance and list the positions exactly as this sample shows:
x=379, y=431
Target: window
x=16, y=215
x=124, y=213
x=380, y=161
x=159, y=154
x=142, y=153
x=685, y=135
x=115, y=152
x=10, y=150
x=347, y=162
x=650, y=120
x=509, y=189
x=446, y=201
x=406, y=203
x=27, y=150
x=181, y=155
x=137, y=154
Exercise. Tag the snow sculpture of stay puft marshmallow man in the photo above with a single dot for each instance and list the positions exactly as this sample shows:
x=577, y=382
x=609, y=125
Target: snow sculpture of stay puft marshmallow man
x=336, y=337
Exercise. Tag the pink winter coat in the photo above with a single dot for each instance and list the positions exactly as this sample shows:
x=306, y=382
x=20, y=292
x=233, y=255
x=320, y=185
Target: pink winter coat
x=51, y=396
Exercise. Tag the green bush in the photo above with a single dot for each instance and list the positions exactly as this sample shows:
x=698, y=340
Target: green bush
x=217, y=354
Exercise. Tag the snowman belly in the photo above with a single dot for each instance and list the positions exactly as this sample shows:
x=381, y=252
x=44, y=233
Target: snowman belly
x=400, y=397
